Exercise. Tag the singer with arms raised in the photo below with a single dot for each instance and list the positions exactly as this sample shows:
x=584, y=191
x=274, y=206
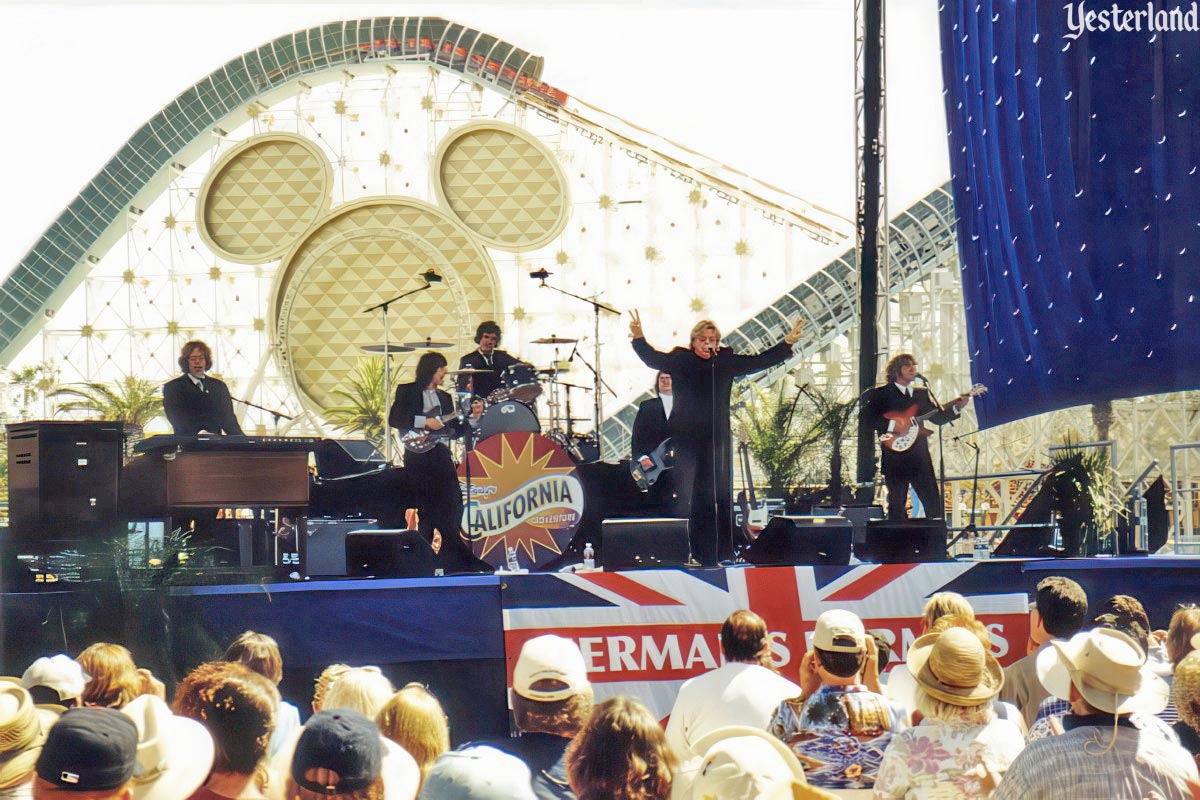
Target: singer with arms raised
x=196, y=402
x=702, y=378
x=913, y=467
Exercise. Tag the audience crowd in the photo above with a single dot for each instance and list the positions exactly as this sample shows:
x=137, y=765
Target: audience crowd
x=1100, y=706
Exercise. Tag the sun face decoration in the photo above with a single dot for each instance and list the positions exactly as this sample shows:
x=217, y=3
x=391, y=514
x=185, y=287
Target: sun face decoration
x=524, y=495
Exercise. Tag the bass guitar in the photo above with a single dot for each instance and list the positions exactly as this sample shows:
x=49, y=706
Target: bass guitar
x=422, y=440
x=909, y=428
x=754, y=515
x=661, y=460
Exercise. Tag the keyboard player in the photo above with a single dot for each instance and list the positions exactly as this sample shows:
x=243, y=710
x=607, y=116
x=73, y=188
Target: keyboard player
x=196, y=402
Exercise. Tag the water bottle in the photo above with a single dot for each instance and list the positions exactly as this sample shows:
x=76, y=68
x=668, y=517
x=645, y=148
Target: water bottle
x=982, y=551
x=510, y=559
x=589, y=556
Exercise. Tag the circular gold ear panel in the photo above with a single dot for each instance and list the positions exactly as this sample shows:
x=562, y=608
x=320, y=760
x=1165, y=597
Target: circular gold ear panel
x=262, y=196
x=503, y=183
x=364, y=253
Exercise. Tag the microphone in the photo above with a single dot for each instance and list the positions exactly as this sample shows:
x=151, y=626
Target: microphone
x=540, y=275
x=431, y=276
x=924, y=380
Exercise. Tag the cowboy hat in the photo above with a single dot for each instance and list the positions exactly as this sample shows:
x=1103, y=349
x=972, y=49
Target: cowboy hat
x=953, y=666
x=1107, y=667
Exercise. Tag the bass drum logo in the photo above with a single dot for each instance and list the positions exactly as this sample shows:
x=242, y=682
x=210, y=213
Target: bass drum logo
x=524, y=494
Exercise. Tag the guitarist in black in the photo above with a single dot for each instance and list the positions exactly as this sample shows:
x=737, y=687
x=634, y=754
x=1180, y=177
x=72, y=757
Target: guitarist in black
x=913, y=467
x=417, y=407
x=650, y=429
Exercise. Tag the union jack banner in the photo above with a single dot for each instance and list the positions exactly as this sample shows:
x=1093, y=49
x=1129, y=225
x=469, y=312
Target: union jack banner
x=644, y=633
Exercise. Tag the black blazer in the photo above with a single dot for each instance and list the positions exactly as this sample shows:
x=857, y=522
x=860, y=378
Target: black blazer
x=649, y=427
x=191, y=410
x=409, y=404
x=886, y=398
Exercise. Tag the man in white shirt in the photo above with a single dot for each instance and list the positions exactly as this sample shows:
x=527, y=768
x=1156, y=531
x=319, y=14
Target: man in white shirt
x=744, y=691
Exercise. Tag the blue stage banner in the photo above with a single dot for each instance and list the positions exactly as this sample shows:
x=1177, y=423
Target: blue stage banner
x=1075, y=160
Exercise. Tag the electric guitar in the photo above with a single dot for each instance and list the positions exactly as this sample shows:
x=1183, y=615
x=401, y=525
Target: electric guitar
x=909, y=428
x=422, y=440
x=754, y=516
x=661, y=460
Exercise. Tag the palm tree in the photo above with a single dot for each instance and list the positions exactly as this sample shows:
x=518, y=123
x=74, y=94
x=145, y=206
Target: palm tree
x=37, y=380
x=135, y=401
x=366, y=401
x=776, y=435
x=831, y=424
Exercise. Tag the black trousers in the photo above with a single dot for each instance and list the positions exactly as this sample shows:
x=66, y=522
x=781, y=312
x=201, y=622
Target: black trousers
x=710, y=518
x=916, y=470
x=439, y=503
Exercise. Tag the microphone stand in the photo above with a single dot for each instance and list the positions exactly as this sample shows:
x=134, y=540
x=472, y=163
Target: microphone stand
x=387, y=360
x=278, y=415
x=970, y=529
x=712, y=454
x=941, y=455
x=597, y=381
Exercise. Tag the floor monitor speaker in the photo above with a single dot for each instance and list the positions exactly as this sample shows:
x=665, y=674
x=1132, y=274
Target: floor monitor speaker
x=910, y=541
x=643, y=543
x=389, y=554
x=791, y=541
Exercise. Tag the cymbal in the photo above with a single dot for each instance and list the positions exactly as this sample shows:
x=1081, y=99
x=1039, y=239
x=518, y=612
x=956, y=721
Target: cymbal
x=428, y=343
x=469, y=371
x=386, y=348
x=574, y=419
x=574, y=386
x=554, y=340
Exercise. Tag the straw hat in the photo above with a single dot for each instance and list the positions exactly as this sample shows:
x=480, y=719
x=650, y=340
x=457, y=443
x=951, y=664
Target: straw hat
x=1108, y=668
x=175, y=753
x=953, y=666
x=23, y=730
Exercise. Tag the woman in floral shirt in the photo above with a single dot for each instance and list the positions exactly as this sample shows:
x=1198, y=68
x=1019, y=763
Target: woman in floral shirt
x=962, y=749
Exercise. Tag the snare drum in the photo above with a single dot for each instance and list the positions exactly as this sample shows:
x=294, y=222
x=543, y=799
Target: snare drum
x=521, y=382
x=506, y=417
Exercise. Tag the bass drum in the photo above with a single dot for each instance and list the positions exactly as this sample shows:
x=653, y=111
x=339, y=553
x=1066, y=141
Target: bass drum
x=508, y=416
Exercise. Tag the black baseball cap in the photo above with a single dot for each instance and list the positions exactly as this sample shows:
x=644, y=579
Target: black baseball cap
x=341, y=740
x=90, y=749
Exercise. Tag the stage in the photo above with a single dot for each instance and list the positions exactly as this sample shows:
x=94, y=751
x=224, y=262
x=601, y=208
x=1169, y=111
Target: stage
x=641, y=633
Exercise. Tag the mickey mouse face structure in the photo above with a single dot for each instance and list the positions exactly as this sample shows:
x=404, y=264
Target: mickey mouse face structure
x=269, y=198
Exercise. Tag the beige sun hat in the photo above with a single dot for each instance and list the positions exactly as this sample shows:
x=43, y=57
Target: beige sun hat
x=23, y=729
x=740, y=762
x=175, y=753
x=1108, y=668
x=953, y=666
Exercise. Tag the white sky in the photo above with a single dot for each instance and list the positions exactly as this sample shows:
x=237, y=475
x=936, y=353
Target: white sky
x=762, y=86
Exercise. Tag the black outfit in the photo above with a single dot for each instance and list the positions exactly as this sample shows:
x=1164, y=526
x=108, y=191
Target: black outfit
x=488, y=382
x=913, y=467
x=650, y=427
x=440, y=502
x=699, y=428
x=191, y=409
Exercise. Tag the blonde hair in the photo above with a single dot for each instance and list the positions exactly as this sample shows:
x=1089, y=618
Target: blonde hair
x=324, y=681
x=932, y=708
x=413, y=718
x=259, y=652
x=114, y=678
x=703, y=325
x=943, y=603
x=621, y=754
x=363, y=689
x=1187, y=689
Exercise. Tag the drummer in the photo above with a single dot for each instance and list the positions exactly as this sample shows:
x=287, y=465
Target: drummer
x=485, y=357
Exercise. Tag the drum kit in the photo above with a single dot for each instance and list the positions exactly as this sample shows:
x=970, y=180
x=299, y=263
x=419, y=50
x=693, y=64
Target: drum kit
x=512, y=408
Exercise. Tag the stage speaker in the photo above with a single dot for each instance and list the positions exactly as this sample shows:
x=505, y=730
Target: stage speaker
x=389, y=554
x=324, y=545
x=63, y=474
x=858, y=514
x=790, y=541
x=910, y=541
x=337, y=458
x=643, y=543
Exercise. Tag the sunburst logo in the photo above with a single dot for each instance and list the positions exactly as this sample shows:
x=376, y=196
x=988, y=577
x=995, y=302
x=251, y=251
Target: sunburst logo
x=524, y=495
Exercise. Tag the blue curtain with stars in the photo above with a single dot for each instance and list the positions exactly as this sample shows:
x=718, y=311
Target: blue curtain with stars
x=1074, y=164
